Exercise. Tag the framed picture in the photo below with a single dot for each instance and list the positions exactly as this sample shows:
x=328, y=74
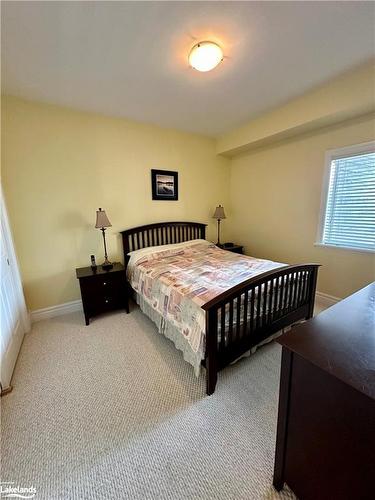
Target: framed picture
x=164, y=185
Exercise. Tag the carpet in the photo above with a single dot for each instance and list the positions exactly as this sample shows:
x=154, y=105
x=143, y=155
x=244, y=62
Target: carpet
x=111, y=411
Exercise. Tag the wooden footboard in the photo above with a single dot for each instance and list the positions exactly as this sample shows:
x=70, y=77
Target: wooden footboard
x=250, y=312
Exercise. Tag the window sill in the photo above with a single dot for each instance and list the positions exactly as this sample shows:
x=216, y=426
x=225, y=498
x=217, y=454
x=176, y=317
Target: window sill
x=351, y=249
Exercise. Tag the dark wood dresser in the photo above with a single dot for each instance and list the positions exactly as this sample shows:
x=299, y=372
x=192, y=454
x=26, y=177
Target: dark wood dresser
x=325, y=446
x=103, y=291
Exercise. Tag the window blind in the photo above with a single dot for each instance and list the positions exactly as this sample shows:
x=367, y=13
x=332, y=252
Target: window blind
x=350, y=210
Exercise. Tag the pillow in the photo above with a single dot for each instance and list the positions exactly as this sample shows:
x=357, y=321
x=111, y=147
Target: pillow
x=135, y=255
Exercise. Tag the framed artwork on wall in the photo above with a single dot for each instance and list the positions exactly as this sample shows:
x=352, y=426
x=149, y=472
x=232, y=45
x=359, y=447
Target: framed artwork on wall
x=164, y=185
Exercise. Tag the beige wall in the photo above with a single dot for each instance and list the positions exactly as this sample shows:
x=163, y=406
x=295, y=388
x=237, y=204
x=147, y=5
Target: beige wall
x=275, y=200
x=59, y=166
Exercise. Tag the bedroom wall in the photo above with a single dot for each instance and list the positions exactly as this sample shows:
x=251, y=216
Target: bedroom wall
x=60, y=165
x=345, y=97
x=275, y=200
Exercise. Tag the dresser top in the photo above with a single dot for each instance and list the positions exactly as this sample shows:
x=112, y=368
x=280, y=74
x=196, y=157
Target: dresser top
x=87, y=272
x=341, y=340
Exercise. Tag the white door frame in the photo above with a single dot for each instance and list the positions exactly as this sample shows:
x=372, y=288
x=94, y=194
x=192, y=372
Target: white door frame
x=17, y=312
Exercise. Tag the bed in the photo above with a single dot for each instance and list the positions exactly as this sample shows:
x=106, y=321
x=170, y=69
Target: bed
x=215, y=305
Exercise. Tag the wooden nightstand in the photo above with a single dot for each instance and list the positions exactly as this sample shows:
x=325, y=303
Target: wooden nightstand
x=233, y=248
x=103, y=291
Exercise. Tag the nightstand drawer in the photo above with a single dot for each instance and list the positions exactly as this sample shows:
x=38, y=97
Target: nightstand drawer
x=103, y=285
x=106, y=302
x=237, y=249
x=232, y=248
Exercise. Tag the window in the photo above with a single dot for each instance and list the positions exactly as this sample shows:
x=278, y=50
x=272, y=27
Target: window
x=348, y=200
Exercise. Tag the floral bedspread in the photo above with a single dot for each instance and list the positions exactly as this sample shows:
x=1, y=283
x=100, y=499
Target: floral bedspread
x=177, y=281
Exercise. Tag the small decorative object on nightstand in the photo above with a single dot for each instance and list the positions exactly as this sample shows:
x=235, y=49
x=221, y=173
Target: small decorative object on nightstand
x=219, y=215
x=102, y=222
x=232, y=247
x=102, y=290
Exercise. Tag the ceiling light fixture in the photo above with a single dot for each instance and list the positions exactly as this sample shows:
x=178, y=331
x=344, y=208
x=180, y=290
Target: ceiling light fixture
x=205, y=56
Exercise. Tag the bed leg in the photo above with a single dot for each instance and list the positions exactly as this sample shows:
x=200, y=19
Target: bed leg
x=211, y=351
x=312, y=293
x=211, y=377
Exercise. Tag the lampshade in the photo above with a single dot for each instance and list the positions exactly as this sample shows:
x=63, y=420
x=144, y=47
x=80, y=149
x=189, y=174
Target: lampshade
x=219, y=213
x=102, y=219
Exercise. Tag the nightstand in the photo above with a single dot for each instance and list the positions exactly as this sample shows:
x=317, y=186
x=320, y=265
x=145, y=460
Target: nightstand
x=233, y=248
x=103, y=291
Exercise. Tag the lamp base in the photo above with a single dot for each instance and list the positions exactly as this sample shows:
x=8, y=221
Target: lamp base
x=107, y=265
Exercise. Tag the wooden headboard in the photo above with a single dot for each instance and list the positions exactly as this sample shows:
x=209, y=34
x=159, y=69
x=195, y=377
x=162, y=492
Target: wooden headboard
x=161, y=233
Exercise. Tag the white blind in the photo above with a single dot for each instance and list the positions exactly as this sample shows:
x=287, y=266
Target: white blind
x=350, y=210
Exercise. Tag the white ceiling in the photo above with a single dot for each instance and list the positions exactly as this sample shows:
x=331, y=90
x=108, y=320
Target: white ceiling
x=130, y=58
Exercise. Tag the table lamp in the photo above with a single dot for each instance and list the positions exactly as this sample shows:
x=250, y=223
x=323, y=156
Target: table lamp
x=102, y=222
x=219, y=215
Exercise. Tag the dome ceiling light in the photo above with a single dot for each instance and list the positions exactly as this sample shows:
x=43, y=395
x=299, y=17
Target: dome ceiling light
x=205, y=56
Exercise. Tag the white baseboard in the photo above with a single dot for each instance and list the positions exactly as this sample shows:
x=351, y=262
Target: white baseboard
x=59, y=310
x=325, y=300
x=321, y=299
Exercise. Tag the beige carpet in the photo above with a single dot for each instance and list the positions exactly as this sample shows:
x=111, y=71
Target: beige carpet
x=111, y=411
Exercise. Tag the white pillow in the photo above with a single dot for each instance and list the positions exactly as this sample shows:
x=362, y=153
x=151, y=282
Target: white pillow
x=160, y=248
x=135, y=255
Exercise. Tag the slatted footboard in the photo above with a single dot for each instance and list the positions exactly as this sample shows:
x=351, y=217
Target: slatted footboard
x=250, y=312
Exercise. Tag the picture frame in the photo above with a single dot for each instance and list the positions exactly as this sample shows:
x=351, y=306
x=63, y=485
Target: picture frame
x=164, y=184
